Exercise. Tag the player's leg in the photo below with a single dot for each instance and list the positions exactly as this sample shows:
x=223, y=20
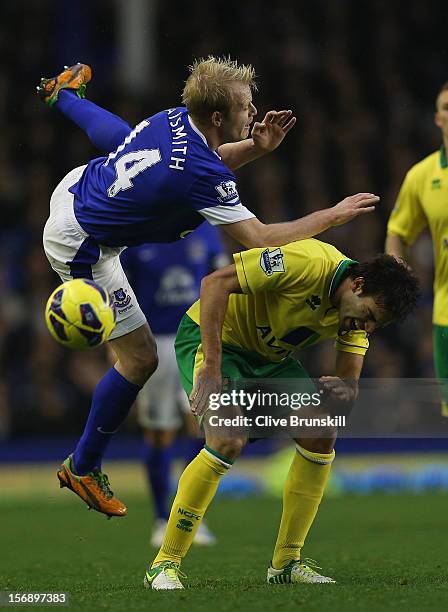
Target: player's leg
x=196, y=489
x=111, y=401
x=158, y=454
x=66, y=92
x=162, y=415
x=204, y=535
x=114, y=395
x=195, y=442
x=160, y=419
x=73, y=254
x=440, y=351
x=199, y=481
x=303, y=492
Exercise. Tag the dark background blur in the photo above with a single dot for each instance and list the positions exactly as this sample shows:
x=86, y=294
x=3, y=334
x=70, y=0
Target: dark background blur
x=361, y=76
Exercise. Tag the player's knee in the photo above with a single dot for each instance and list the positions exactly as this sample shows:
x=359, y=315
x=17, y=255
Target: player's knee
x=137, y=355
x=228, y=447
x=142, y=362
x=324, y=443
x=146, y=362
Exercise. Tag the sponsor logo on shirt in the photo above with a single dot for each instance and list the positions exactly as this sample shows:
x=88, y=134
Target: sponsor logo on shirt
x=436, y=183
x=271, y=262
x=227, y=192
x=313, y=302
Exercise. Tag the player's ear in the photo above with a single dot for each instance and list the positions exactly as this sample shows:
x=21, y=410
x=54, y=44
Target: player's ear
x=217, y=119
x=436, y=119
x=358, y=284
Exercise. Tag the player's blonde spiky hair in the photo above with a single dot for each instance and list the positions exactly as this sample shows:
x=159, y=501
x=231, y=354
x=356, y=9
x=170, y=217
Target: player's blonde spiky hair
x=207, y=89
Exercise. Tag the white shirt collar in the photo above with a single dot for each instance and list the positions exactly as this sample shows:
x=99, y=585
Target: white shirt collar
x=199, y=133
x=197, y=130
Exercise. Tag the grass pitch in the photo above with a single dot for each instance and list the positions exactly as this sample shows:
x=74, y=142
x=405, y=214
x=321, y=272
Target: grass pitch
x=387, y=552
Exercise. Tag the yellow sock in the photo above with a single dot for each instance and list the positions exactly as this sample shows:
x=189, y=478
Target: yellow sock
x=303, y=492
x=196, y=489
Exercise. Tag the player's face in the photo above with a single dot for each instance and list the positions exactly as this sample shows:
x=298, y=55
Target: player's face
x=360, y=312
x=441, y=116
x=239, y=119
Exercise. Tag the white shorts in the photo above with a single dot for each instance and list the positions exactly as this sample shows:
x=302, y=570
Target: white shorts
x=72, y=253
x=163, y=403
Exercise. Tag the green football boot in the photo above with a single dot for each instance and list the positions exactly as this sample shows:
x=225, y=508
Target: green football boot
x=298, y=571
x=163, y=577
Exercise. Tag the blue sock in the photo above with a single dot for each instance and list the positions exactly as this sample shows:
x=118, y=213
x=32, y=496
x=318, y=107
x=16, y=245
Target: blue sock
x=158, y=469
x=111, y=402
x=105, y=130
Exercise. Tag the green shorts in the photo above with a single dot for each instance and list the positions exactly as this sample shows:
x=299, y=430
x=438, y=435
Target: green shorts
x=440, y=352
x=237, y=363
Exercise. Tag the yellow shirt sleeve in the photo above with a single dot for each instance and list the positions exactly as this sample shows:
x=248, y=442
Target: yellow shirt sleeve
x=270, y=269
x=352, y=342
x=407, y=219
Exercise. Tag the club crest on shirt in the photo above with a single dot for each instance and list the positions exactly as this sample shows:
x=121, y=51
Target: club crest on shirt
x=271, y=262
x=121, y=298
x=227, y=192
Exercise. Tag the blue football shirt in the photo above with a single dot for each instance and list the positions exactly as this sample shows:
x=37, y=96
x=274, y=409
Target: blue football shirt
x=167, y=277
x=157, y=186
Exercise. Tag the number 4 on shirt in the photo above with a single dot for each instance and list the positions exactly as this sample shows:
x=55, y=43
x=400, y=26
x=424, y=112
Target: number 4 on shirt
x=128, y=166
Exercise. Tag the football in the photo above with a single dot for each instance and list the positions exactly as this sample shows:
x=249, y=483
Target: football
x=80, y=314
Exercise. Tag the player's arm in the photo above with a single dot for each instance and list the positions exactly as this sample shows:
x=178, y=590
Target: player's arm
x=343, y=387
x=215, y=291
x=266, y=136
x=396, y=246
x=104, y=129
x=253, y=233
x=407, y=218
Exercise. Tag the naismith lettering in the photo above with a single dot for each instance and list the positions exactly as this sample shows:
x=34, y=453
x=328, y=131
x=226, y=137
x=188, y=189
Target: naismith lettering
x=179, y=142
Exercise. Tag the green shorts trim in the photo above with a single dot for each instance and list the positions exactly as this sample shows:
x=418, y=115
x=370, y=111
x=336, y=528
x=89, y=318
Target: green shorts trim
x=237, y=363
x=440, y=353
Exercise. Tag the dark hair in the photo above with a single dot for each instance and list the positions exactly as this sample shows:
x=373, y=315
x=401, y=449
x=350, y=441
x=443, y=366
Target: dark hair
x=390, y=282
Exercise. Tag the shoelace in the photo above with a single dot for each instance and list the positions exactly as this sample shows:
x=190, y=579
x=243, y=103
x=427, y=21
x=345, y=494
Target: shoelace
x=173, y=567
x=103, y=483
x=309, y=566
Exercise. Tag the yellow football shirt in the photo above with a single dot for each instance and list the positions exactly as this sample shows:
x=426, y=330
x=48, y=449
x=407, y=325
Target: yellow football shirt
x=422, y=201
x=285, y=304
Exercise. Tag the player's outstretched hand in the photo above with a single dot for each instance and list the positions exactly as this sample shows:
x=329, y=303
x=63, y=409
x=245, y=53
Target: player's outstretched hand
x=207, y=382
x=268, y=134
x=353, y=206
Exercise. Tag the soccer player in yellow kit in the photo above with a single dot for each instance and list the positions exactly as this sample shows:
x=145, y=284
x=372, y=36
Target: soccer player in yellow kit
x=250, y=318
x=423, y=201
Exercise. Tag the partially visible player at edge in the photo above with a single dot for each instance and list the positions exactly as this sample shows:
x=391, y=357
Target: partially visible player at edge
x=422, y=202
x=158, y=182
x=249, y=320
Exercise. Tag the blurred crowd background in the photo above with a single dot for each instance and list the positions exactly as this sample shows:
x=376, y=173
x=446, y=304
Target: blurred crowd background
x=360, y=75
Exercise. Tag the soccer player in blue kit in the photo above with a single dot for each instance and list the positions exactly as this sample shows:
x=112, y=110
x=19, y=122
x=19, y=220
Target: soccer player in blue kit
x=157, y=183
x=166, y=279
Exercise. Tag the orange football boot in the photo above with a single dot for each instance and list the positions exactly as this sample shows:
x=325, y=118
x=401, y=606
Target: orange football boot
x=93, y=488
x=74, y=77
